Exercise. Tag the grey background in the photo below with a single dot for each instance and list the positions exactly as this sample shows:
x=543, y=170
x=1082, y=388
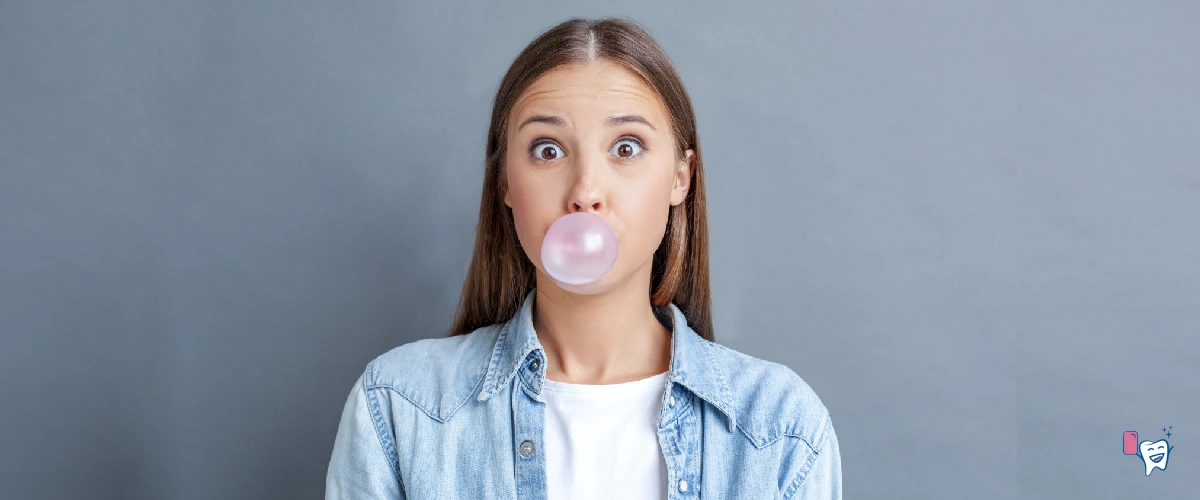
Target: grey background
x=969, y=226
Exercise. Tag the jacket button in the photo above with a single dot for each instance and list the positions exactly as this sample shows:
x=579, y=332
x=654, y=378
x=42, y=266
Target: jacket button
x=671, y=400
x=526, y=449
x=683, y=486
x=533, y=367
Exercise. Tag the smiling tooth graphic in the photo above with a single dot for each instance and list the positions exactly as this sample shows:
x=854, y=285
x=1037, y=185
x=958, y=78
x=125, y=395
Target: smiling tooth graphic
x=1155, y=454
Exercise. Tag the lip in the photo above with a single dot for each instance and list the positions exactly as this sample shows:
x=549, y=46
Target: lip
x=1156, y=458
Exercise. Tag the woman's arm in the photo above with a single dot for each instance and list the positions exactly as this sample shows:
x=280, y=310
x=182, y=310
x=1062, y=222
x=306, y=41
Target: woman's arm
x=359, y=468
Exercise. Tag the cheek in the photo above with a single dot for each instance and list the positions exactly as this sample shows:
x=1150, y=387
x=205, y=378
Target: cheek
x=527, y=211
x=646, y=221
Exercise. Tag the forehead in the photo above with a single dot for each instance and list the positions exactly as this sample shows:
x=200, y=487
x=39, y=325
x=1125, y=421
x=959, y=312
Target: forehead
x=599, y=87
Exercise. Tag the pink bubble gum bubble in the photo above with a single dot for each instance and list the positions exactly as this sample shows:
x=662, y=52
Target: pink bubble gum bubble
x=579, y=248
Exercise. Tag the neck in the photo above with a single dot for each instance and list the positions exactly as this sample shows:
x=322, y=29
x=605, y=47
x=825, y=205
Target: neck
x=605, y=338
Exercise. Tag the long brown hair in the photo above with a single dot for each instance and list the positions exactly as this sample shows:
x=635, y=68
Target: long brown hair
x=500, y=274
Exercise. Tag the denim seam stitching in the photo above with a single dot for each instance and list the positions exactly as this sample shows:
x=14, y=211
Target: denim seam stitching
x=468, y=398
x=812, y=458
x=827, y=422
x=406, y=398
x=724, y=387
x=491, y=385
x=801, y=438
x=385, y=442
x=678, y=416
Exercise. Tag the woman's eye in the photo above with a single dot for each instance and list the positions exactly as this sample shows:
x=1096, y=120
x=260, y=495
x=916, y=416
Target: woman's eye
x=627, y=148
x=546, y=152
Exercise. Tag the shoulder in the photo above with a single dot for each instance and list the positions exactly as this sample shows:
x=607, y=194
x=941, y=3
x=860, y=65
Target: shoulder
x=770, y=400
x=438, y=375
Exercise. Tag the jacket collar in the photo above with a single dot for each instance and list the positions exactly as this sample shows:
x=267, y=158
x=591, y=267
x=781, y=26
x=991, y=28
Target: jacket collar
x=693, y=362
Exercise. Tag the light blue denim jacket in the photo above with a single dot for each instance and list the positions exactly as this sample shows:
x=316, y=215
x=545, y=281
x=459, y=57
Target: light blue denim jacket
x=461, y=417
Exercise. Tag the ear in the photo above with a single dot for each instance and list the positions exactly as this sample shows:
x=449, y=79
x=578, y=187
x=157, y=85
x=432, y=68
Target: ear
x=504, y=189
x=683, y=178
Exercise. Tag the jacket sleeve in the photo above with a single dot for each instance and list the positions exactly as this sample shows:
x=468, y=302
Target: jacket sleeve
x=360, y=467
x=823, y=481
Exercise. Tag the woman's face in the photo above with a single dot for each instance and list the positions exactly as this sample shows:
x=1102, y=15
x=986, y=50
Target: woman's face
x=577, y=142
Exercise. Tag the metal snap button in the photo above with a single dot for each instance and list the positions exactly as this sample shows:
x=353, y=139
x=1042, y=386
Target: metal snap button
x=533, y=366
x=527, y=449
x=671, y=400
x=683, y=486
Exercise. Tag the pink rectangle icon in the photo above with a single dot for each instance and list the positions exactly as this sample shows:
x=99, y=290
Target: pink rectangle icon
x=1131, y=444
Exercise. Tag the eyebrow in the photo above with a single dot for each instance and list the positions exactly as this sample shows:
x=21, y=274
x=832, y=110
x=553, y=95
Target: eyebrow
x=611, y=121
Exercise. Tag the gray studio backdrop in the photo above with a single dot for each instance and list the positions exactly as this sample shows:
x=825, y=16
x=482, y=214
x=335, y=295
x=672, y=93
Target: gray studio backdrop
x=970, y=226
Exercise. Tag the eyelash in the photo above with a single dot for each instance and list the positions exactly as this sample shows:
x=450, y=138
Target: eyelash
x=541, y=142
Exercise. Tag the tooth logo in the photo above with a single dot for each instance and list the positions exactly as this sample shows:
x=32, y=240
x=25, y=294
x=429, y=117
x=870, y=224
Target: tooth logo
x=1155, y=454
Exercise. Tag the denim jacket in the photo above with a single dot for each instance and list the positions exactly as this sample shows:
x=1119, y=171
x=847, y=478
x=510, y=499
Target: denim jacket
x=461, y=417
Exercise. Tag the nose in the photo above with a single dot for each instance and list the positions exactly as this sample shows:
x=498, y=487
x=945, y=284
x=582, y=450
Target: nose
x=587, y=194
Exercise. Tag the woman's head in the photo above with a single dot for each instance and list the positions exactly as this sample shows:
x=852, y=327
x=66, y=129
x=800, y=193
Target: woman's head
x=592, y=117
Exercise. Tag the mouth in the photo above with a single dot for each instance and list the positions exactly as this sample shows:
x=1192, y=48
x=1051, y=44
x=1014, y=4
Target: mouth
x=1156, y=458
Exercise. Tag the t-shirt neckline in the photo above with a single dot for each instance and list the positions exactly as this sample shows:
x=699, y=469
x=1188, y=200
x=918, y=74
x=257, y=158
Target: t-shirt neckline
x=633, y=386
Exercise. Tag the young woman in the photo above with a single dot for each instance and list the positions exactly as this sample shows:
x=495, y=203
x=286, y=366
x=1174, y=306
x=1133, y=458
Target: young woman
x=612, y=389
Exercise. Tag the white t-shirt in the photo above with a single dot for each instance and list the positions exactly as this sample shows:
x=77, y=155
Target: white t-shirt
x=602, y=440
